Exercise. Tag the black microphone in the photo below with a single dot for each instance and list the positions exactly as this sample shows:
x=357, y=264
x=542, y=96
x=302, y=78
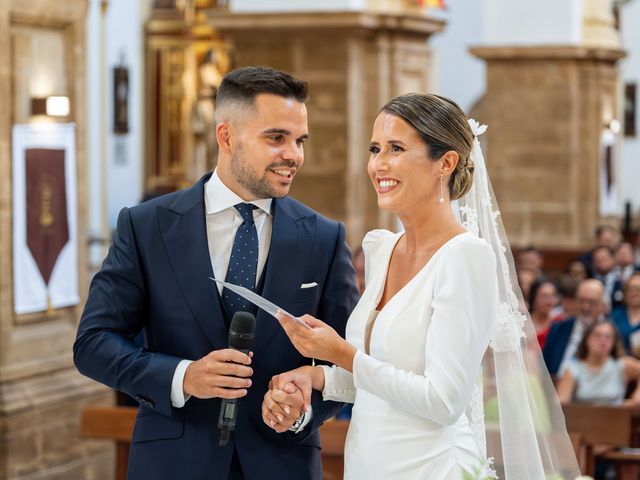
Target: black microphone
x=241, y=334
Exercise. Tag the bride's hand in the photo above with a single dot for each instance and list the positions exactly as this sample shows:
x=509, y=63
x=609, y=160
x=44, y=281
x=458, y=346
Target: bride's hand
x=281, y=407
x=320, y=341
x=302, y=378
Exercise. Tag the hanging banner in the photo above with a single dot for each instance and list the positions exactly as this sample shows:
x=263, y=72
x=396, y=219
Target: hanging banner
x=47, y=225
x=45, y=256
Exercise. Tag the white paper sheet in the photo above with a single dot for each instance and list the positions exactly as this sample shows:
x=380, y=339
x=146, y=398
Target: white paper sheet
x=257, y=300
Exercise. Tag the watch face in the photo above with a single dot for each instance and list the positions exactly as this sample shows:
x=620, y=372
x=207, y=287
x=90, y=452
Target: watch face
x=298, y=422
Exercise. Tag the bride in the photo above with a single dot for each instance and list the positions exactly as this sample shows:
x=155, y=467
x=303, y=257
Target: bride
x=437, y=296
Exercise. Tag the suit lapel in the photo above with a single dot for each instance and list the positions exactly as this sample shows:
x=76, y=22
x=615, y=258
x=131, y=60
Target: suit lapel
x=183, y=227
x=289, y=252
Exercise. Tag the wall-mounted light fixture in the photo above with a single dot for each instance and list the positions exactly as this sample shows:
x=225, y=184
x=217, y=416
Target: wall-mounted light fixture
x=53, y=106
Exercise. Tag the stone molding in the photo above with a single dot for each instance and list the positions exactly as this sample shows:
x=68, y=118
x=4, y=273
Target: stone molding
x=378, y=21
x=560, y=52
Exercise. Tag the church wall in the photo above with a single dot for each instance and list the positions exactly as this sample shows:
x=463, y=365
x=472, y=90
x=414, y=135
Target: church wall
x=630, y=73
x=42, y=48
x=543, y=22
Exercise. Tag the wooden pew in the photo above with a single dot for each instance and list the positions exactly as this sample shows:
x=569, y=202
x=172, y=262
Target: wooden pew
x=333, y=434
x=116, y=423
x=602, y=425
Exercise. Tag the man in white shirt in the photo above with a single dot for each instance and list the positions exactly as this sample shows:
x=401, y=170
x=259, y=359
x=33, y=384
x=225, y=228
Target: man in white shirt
x=564, y=336
x=235, y=223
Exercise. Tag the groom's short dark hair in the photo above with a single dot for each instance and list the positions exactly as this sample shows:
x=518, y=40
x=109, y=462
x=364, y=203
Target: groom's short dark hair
x=243, y=85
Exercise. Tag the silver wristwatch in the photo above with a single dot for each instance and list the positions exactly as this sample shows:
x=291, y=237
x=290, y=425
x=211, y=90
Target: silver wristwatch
x=297, y=423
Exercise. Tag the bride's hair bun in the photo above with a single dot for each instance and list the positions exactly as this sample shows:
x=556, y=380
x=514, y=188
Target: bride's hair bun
x=461, y=179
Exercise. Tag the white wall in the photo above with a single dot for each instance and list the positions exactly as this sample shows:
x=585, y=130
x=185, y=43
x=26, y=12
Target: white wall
x=459, y=75
x=539, y=22
x=630, y=72
x=125, y=34
x=96, y=221
x=297, y=6
x=118, y=183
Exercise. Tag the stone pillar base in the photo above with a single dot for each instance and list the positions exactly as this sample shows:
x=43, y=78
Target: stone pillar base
x=546, y=108
x=39, y=427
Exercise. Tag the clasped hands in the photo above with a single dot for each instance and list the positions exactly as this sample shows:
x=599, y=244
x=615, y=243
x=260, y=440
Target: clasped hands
x=290, y=392
x=284, y=402
x=225, y=373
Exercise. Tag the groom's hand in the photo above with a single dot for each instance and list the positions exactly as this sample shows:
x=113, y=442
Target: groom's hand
x=282, y=407
x=222, y=373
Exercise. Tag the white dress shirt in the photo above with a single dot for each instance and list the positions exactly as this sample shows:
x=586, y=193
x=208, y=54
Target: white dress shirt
x=579, y=326
x=222, y=221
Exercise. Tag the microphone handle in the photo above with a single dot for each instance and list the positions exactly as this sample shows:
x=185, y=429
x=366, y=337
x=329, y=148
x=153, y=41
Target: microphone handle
x=228, y=413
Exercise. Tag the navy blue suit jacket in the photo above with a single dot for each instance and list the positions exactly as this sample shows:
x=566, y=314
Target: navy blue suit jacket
x=156, y=278
x=556, y=344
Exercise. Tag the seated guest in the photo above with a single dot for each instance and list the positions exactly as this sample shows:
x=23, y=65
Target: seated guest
x=567, y=290
x=564, y=336
x=625, y=261
x=526, y=278
x=606, y=236
x=627, y=315
x=599, y=373
x=531, y=258
x=577, y=271
x=603, y=265
x=543, y=298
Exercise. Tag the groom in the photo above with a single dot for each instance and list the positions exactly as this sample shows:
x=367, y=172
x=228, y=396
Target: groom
x=235, y=223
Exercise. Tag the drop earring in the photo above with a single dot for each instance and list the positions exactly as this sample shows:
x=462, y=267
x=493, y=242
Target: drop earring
x=441, y=199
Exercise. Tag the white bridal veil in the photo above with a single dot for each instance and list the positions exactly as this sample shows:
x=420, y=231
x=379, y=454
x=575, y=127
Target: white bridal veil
x=514, y=412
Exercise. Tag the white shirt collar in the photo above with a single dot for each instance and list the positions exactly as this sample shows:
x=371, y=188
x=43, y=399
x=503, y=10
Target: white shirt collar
x=218, y=197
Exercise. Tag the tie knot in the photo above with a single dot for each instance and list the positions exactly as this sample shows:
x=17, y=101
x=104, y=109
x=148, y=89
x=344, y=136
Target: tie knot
x=246, y=211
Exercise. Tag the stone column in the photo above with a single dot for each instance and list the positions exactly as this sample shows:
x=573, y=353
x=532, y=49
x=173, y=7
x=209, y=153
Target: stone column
x=547, y=107
x=41, y=393
x=354, y=63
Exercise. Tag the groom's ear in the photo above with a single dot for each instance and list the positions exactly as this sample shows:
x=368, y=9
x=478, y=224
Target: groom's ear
x=224, y=134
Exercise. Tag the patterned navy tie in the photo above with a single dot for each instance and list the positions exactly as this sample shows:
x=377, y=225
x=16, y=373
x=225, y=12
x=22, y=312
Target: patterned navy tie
x=243, y=263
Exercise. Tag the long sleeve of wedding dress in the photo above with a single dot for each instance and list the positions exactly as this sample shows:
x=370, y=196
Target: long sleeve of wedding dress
x=462, y=321
x=338, y=385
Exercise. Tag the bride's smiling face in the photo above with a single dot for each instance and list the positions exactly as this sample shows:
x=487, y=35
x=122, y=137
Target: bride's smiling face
x=400, y=169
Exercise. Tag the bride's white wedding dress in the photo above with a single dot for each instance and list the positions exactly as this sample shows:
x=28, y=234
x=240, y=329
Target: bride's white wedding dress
x=425, y=349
